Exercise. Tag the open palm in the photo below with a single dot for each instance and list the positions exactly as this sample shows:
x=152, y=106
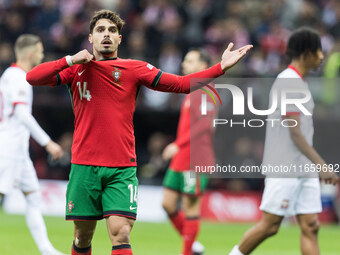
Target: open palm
x=230, y=58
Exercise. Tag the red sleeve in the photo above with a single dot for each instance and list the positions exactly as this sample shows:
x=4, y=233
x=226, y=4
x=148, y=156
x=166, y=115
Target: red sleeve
x=46, y=74
x=146, y=74
x=155, y=79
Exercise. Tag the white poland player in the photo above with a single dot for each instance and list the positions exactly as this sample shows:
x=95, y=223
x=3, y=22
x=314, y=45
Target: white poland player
x=16, y=126
x=296, y=192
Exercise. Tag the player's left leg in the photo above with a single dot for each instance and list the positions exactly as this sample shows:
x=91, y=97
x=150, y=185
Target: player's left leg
x=119, y=229
x=267, y=227
x=192, y=188
x=191, y=208
x=308, y=206
x=171, y=196
x=169, y=204
x=28, y=181
x=35, y=221
x=83, y=234
x=7, y=176
x=119, y=199
x=309, y=225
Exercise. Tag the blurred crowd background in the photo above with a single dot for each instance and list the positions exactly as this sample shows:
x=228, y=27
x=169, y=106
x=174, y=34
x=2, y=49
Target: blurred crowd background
x=161, y=32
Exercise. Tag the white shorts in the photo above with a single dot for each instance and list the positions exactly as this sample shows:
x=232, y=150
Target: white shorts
x=291, y=196
x=19, y=173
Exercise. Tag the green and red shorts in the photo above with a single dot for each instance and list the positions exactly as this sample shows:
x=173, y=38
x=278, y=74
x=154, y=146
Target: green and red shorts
x=96, y=192
x=186, y=182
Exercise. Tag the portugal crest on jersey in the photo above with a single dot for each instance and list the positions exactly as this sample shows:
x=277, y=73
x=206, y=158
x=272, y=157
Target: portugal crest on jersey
x=116, y=73
x=70, y=206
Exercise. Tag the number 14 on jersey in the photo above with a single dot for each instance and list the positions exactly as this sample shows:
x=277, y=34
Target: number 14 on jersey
x=83, y=91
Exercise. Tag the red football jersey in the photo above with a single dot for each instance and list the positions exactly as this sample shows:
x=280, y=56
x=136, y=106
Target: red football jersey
x=196, y=131
x=104, y=96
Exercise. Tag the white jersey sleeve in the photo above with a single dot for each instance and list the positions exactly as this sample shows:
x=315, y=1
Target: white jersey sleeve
x=22, y=113
x=16, y=124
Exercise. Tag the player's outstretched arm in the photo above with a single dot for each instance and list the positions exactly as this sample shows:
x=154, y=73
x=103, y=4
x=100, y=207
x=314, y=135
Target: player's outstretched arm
x=181, y=84
x=45, y=73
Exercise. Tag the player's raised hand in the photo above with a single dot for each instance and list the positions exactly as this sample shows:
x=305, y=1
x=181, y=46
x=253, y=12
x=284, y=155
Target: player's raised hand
x=170, y=151
x=231, y=57
x=330, y=177
x=54, y=149
x=82, y=57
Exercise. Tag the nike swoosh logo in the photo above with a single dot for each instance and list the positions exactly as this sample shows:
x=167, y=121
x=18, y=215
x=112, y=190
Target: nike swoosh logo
x=80, y=73
x=133, y=208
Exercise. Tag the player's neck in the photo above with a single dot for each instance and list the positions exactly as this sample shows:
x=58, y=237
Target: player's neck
x=24, y=65
x=99, y=56
x=300, y=67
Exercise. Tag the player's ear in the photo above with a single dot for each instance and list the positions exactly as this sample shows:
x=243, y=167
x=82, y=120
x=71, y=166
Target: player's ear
x=90, y=38
x=305, y=56
x=204, y=65
x=30, y=55
x=120, y=39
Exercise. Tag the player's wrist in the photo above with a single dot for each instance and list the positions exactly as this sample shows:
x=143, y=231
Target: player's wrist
x=69, y=60
x=222, y=68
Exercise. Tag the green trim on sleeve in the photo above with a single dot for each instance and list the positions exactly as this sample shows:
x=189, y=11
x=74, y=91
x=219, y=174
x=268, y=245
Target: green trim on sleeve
x=137, y=93
x=156, y=80
x=71, y=95
x=58, y=79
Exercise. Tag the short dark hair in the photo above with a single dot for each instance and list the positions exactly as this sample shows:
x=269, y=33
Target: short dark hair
x=106, y=14
x=25, y=40
x=303, y=40
x=204, y=55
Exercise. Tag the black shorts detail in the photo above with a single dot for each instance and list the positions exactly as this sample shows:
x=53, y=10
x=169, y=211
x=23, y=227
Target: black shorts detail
x=130, y=215
x=80, y=218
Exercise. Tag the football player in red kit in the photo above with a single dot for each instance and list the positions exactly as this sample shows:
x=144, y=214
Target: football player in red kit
x=103, y=88
x=194, y=131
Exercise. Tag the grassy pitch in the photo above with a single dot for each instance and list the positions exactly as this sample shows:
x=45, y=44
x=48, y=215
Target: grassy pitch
x=158, y=238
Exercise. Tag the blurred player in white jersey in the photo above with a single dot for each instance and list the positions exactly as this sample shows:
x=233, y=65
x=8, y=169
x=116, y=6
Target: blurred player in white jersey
x=16, y=126
x=298, y=192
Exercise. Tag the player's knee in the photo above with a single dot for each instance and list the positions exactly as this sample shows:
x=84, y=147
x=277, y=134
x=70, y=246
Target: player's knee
x=169, y=207
x=33, y=199
x=191, y=206
x=123, y=234
x=311, y=227
x=83, y=238
x=271, y=229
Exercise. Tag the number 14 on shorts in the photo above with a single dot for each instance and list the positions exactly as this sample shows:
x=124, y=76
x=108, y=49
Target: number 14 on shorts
x=133, y=195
